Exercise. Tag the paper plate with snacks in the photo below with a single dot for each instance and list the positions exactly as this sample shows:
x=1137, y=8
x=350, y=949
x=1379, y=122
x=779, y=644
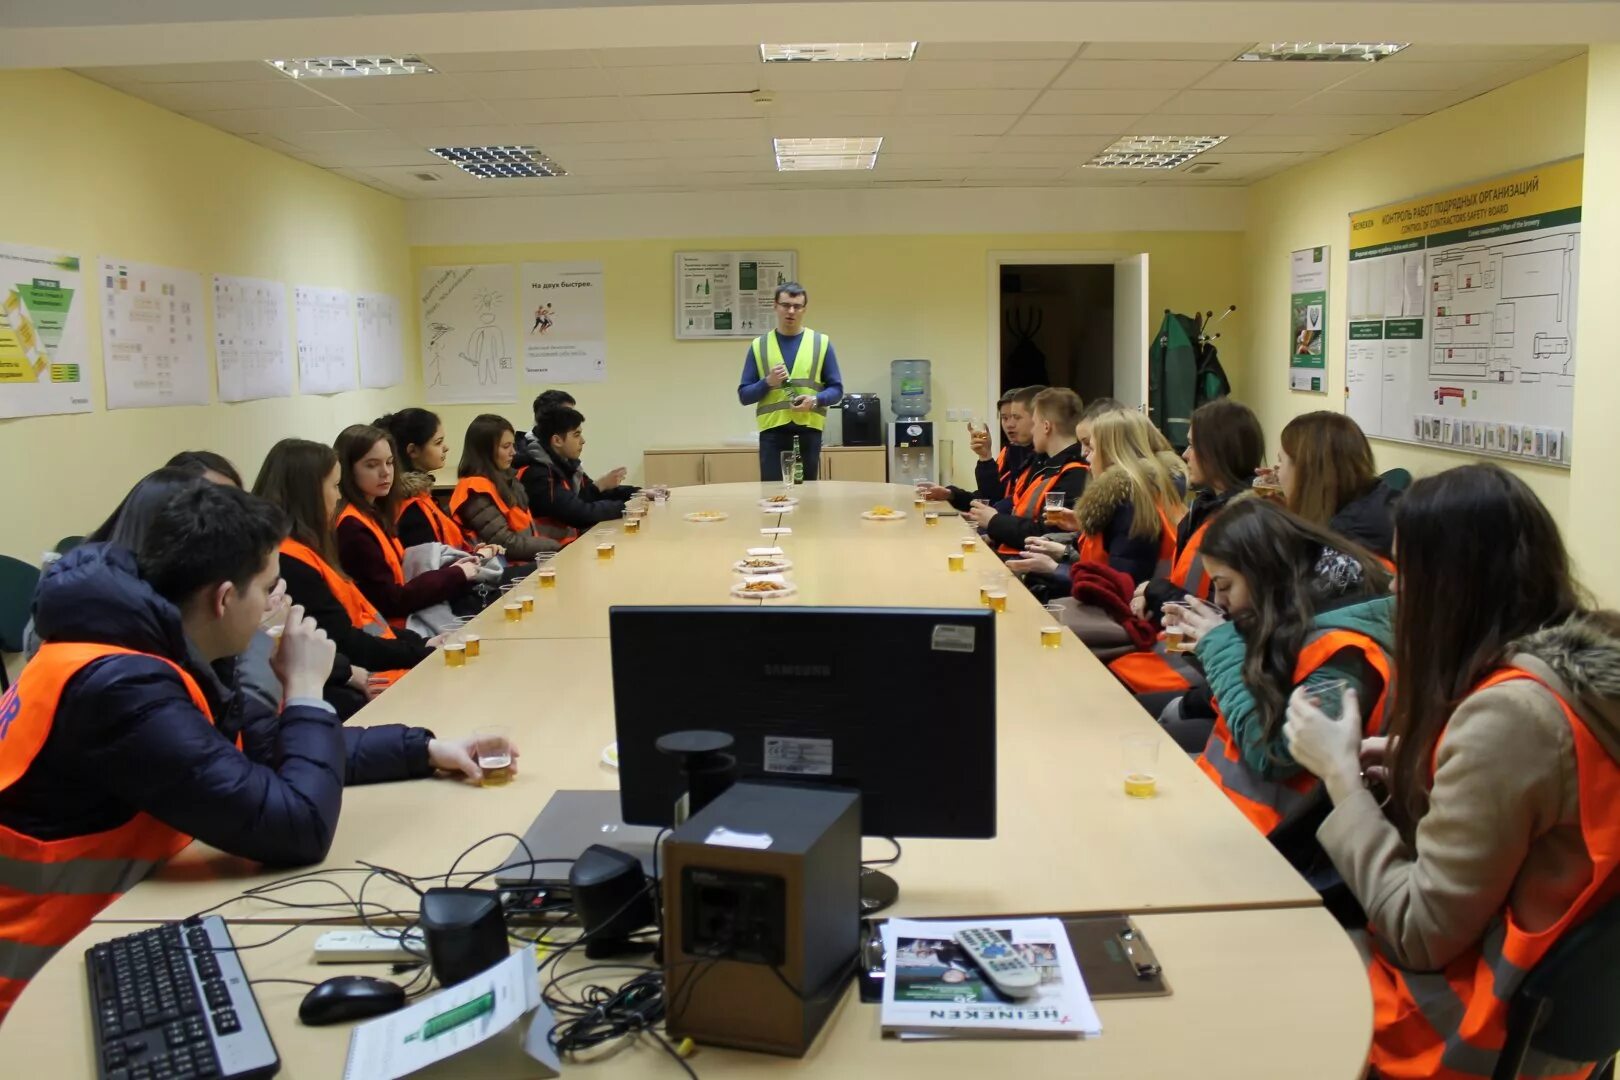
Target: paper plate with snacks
x=764, y=587
x=707, y=515
x=883, y=513
x=762, y=564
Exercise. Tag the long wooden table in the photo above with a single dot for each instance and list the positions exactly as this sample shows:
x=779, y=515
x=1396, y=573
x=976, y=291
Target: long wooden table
x=1069, y=840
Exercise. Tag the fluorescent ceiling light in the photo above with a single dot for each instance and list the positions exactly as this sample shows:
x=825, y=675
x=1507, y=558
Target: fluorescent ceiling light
x=1154, y=151
x=838, y=50
x=807, y=155
x=351, y=67
x=500, y=162
x=1317, y=51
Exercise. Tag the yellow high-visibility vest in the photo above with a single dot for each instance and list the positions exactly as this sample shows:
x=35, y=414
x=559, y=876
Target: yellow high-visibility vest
x=776, y=407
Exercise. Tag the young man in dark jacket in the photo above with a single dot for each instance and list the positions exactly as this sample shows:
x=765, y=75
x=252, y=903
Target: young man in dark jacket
x=996, y=474
x=558, y=489
x=531, y=452
x=1058, y=468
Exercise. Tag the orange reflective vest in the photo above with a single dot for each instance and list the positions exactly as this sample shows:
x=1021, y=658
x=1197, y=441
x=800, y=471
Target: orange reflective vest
x=518, y=518
x=1094, y=548
x=393, y=551
x=1450, y=1024
x=1188, y=570
x=446, y=530
x=1030, y=494
x=51, y=889
x=560, y=531
x=1157, y=671
x=1271, y=804
x=362, y=615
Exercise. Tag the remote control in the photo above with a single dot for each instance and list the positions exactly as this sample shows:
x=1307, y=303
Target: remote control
x=367, y=947
x=1000, y=962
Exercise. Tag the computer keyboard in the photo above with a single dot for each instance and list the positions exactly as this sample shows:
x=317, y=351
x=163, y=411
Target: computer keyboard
x=172, y=1003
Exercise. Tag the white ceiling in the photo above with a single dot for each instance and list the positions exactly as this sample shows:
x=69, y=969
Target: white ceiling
x=702, y=118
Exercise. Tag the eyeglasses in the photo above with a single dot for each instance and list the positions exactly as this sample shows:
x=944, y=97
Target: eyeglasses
x=790, y=307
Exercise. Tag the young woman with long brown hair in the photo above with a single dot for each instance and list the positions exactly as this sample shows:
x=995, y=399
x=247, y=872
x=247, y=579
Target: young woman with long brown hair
x=488, y=501
x=1502, y=828
x=1326, y=472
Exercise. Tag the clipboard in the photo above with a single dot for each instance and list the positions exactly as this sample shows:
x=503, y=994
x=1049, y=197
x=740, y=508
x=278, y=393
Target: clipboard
x=1114, y=957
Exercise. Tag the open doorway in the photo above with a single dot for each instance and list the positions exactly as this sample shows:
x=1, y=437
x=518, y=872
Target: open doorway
x=1057, y=327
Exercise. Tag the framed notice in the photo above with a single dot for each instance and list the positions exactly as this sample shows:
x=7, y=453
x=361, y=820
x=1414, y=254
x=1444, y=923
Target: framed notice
x=729, y=294
x=1307, y=320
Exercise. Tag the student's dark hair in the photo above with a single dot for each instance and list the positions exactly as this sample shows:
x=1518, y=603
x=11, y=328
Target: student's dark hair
x=1229, y=442
x=207, y=460
x=1024, y=397
x=1006, y=398
x=127, y=524
x=353, y=444
x=557, y=421
x=1061, y=406
x=792, y=290
x=1102, y=405
x=1277, y=553
x=207, y=534
x=478, y=456
x=550, y=399
x=408, y=428
x=1333, y=464
x=1479, y=565
x=292, y=477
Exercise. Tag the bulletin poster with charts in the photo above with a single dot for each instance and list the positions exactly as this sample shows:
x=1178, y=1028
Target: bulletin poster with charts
x=468, y=333
x=154, y=347
x=44, y=347
x=252, y=349
x=729, y=294
x=382, y=346
x=326, y=343
x=1462, y=308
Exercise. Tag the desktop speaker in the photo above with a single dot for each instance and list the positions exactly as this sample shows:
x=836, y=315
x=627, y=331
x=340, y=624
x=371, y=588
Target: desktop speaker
x=762, y=916
x=863, y=420
x=613, y=900
x=465, y=932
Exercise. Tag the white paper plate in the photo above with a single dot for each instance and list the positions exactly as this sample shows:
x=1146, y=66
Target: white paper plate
x=896, y=516
x=778, y=508
x=740, y=590
x=789, y=501
x=777, y=566
x=707, y=517
x=610, y=755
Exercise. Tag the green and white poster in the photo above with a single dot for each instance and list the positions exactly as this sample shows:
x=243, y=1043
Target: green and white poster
x=1307, y=320
x=44, y=349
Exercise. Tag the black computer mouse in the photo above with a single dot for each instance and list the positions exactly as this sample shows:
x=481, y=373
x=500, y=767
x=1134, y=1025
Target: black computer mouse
x=350, y=997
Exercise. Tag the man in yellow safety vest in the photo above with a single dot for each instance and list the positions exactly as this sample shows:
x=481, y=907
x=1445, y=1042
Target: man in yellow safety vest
x=791, y=378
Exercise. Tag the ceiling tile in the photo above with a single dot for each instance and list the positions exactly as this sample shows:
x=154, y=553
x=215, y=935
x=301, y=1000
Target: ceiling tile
x=332, y=142
x=1116, y=102
x=1279, y=76
x=1193, y=124
x=355, y=158
x=1234, y=102
x=862, y=103
x=996, y=50
x=1086, y=74
x=940, y=144
x=224, y=71
x=693, y=79
x=566, y=111
x=274, y=121
x=557, y=83
x=660, y=151
x=1014, y=175
x=763, y=161
x=432, y=114
x=695, y=107
x=942, y=125
x=1165, y=51
x=270, y=142
x=1075, y=124
x=1372, y=102
x=822, y=78
x=1319, y=124
x=672, y=56
x=1446, y=54
x=1285, y=144
x=960, y=160
x=976, y=74
x=619, y=131
x=393, y=89
x=531, y=60
x=467, y=135
x=1081, y=146
x=198, y=96
x=966, y=102
x=1230, y=166
x=712, y=129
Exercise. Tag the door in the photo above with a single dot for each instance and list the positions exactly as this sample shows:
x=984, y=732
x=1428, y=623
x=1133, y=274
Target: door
x=1133, y=330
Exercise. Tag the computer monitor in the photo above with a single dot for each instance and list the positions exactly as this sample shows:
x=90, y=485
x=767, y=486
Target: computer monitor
x=896, y=703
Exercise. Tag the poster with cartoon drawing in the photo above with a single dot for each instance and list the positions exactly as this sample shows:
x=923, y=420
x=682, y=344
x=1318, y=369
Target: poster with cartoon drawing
x=469, y=337
x=565, y=320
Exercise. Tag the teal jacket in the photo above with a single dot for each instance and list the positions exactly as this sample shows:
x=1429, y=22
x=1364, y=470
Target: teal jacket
x=1222, y=654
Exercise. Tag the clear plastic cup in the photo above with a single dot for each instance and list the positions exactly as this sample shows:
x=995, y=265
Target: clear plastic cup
x=455, y=653
x=493, y=752
x=956, y=561
x=474, y=644
x=1139, y=756
x=514, y=612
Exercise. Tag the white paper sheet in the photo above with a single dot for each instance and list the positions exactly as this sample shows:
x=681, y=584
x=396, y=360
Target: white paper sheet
x=564, y=322
x=468, y=325
x=326, y=343
x=382, y=344
x=153, y=346
x=252, y=349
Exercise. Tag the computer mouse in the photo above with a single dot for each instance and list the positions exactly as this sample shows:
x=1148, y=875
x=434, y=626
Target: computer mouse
x=350, y=997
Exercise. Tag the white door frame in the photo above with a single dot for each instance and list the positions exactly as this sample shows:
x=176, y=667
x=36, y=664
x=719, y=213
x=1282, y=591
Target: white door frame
x=998, y=259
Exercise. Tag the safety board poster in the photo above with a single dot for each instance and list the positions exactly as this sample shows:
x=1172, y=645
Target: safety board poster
x=43, y=342
x=1462, y=314
x=729, y=294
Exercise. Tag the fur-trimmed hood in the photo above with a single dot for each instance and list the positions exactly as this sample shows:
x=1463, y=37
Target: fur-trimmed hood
x=1580, y=659
x=410, y=483
x=1107, y=491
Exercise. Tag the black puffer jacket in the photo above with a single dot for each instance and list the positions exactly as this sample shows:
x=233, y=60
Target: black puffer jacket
x=1369, y=520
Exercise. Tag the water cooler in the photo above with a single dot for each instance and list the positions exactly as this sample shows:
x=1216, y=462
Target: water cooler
x=912, y=453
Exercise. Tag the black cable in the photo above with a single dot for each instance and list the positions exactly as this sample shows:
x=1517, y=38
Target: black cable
x=674, y=1053
x=833, y=986
x=494, y=836
x=890, y=861
x=296, y=982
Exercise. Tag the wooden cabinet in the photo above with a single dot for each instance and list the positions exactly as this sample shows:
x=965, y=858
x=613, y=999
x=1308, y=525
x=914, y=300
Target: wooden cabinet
x=861, y=463
x=687, y=467
x=672, y=468
x=732, y=467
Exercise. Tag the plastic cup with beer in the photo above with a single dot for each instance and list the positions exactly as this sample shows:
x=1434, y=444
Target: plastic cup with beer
x=930, y=518
x=1055, y=505
x=604, y=550
x=514, y=612
x=1052, y=636
x=1139, y=755
x=527, y=600
x=493, y=746
x=455, y=653
x=632, y=526
x=956, y=561
x=997, y=595
x=1175, y=633
x=970, y=544
x=474, y=644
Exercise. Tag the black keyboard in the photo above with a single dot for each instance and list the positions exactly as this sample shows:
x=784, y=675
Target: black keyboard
x=172, y=1003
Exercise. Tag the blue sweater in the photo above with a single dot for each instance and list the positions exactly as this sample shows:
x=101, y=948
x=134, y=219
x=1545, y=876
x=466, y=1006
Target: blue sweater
x=752, y=388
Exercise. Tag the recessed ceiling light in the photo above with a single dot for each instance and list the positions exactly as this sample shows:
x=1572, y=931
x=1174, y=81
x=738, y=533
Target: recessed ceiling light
x=1153, y=151
x=838, y=50
x=808, y=155
x=500, y=162
x=1318, y=51
x=351, y=67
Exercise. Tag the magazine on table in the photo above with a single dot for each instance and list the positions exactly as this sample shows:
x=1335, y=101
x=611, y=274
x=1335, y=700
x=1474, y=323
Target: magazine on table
x=932, y=987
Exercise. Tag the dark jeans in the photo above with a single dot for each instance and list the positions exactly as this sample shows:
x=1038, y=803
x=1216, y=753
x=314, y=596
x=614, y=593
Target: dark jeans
x=774, y=441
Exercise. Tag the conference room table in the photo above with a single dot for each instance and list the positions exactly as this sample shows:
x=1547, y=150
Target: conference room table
x=1068, y=839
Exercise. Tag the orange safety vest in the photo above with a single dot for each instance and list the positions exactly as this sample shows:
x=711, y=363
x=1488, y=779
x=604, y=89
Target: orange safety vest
x=1450, y=1024
x=362, y=615
x=1094, y=549
x=518, y=518
x=1271, y=804
x=1031, y=493
x=1158, y=671
x=393, y=551
x=446, y=530
x=53, y=888
x=560, y=531
x=1188, y=569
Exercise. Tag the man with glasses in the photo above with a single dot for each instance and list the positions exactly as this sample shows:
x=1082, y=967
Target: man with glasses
x=791, y=378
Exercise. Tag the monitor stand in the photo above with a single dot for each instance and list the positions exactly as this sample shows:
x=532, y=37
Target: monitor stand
x=878, y=890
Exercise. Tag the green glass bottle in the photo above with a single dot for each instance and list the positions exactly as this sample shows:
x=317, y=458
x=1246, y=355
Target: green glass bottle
x=798, y=462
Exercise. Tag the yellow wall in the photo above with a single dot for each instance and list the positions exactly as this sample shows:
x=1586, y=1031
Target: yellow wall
x=115, y=176
x=879, y=297
x=1538, y=119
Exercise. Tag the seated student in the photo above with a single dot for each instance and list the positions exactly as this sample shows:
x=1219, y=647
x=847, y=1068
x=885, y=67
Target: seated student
x=368, y=549
x=489, y=501
x=301, y=477
x=1098, y=407
x=555, y=481
x=1056, y=469
x=213, y=467
x=1307, y=609
x=998, y=476
x=1502, y=822
x=420, y=450
x=1224, y=448
x=1326, y=473
x=612, y=486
